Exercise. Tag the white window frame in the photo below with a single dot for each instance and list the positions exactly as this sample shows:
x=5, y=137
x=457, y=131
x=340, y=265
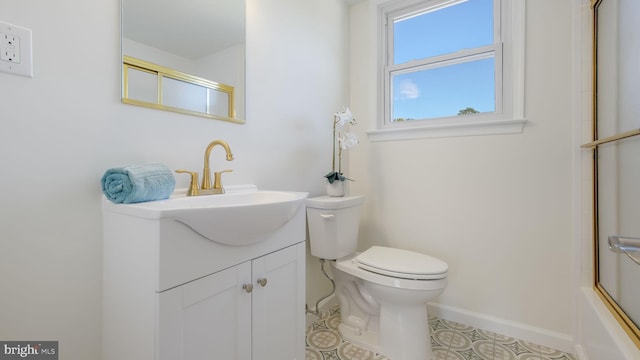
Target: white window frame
x=508, y=117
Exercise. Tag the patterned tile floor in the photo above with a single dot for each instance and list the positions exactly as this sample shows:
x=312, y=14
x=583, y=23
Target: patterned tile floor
x=449, y=341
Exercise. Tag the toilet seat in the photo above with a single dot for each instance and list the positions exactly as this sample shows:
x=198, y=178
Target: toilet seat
x=350, y=266
x=401, y=263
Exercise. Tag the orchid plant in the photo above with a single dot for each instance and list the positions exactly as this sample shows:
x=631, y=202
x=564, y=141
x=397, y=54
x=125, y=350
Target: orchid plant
x=345, y=140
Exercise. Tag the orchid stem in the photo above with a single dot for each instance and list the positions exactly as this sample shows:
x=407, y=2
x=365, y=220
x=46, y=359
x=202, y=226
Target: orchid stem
x=333, y=156
x=340, y=160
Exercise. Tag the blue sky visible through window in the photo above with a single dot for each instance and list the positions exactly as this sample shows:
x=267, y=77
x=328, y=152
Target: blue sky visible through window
x=444, y=91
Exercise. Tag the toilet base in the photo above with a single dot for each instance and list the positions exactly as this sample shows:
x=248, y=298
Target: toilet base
x=404, y=324
x=404, y=332
x=364, y=339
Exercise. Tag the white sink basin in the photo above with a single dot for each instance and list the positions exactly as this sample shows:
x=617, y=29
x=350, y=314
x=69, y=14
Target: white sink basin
x=237, y=218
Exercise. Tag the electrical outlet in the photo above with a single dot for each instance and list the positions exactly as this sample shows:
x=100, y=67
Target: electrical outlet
x=15, y=50
x=9, y=48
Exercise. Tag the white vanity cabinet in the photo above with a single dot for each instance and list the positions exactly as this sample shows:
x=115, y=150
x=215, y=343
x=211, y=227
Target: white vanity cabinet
x=207, y=318
x=170, y=293
x=249, y=311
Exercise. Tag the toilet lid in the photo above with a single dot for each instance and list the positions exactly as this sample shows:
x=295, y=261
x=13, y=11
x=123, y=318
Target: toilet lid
x=403, y=264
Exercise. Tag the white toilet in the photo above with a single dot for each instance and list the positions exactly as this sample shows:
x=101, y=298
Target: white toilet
x=383, y=292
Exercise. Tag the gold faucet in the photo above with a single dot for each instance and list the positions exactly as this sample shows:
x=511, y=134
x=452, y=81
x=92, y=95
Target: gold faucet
x=206, y=188
x=206, y=172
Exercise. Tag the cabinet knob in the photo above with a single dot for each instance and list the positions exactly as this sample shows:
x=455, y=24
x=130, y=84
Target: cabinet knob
x=262, y=282
x=247, y=287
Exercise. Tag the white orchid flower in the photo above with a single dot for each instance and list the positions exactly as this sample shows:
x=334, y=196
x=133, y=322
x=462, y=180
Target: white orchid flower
x=348, y=141
x=345, y=116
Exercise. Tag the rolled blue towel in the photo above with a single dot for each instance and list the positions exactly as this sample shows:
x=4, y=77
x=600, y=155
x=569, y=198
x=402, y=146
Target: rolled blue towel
x=132, y=184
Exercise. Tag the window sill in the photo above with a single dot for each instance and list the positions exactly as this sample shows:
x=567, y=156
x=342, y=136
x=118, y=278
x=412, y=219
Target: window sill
x=498, y=127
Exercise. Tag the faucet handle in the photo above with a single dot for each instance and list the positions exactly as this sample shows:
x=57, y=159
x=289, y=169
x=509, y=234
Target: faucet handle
x=193, y=187
x=217, y=179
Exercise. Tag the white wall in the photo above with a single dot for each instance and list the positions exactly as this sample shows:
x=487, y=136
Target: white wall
x=64, y=127
x=497, y=209
x=156, y=56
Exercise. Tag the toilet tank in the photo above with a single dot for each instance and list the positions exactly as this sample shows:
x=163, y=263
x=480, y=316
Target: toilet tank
x=333, y=225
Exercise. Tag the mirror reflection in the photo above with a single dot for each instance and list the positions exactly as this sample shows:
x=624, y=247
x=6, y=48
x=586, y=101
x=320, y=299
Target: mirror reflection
x=186, y=56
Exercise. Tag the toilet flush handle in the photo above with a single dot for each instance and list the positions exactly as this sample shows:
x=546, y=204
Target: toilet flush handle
x=328, y=216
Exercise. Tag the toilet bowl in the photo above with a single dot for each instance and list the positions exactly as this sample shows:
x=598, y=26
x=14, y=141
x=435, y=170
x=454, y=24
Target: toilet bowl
x=382, y=291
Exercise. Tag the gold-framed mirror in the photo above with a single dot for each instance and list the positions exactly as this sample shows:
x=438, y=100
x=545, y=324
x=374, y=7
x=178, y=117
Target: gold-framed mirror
x=185, y=56
x=616, y=154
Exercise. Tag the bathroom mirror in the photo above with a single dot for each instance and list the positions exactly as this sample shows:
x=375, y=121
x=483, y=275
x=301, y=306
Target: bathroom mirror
x=616, y=148
x=186, y=56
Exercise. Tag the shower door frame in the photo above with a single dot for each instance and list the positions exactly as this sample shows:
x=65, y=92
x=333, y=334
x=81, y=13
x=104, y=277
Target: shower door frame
x=632, y=330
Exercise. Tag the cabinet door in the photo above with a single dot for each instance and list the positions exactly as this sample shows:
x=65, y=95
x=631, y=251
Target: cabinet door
x=278, y=306
x=209, y=318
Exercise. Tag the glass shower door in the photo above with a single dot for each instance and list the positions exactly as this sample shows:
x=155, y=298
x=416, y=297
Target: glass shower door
x=616, y=150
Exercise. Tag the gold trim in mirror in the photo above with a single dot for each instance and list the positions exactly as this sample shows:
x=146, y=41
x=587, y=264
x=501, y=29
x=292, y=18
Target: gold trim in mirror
x=172, y=90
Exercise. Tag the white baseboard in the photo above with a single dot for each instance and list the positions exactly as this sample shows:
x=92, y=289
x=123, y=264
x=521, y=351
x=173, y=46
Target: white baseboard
x=544, y=337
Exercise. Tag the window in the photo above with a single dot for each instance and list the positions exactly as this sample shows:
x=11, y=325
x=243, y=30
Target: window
x=450, y=68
